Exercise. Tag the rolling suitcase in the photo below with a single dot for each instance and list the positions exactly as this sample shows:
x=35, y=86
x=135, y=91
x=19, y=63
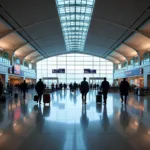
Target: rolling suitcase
x=98, y=98
x=46, y=98
x=36, y=98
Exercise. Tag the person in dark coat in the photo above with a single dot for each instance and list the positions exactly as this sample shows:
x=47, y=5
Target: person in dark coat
x=105, y=87
x=75, y=86
x=1, y=88
x=40, y=87
x=124, y=90
x=84, y=89
x=24, y=88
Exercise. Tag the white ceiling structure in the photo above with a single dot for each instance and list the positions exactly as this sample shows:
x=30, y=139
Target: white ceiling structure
x=32, y=29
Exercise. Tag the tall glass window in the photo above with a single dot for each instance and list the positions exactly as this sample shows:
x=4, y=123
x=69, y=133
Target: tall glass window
x=74, y=65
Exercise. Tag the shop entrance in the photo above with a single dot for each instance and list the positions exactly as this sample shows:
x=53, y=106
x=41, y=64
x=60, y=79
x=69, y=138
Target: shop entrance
x=49, y=80
x=14, y=80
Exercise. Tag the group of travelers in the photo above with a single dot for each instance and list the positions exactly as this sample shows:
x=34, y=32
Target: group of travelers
x=124, y=90
x=13, y=88
x=84, y=89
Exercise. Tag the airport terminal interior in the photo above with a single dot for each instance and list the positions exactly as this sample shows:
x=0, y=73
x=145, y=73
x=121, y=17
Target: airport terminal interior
x=60, y=42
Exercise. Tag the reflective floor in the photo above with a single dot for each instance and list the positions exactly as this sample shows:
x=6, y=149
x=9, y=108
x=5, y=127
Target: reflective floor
x=69, y=125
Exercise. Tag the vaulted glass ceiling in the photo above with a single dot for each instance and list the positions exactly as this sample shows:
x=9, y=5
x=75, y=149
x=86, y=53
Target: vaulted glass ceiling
x=75, y=17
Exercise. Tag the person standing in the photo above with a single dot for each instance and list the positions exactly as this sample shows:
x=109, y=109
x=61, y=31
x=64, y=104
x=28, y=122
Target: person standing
x=1, y=88
x=84, y=89
x=105, y=87
x=24, y=88
x=40, y=87
x=124, y=90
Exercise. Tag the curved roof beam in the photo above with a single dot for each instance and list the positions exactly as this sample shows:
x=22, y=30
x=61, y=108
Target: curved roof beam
x=130, y=47
x=121, y=26
x=38, y=58
x=121, y=54
x=112, y=60
x=30, y=54
x=27, y=27
x=117, y=57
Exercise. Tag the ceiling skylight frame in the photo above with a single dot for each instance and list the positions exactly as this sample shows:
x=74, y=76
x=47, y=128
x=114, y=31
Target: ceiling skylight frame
x=75, y=17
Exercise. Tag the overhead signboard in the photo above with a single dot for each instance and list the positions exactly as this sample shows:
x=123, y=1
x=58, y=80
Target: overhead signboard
x=130, y=73
x=89, y=71
x=61, y=70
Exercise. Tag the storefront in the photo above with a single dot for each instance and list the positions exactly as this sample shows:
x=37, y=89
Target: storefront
x=30, y=81
x=134, y=77
x=14, y=79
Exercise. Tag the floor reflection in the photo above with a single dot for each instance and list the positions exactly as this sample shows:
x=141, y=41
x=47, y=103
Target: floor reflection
x=27, y=125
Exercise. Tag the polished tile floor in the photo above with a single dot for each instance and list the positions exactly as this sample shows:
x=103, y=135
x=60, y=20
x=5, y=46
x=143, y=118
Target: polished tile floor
x=69, y=125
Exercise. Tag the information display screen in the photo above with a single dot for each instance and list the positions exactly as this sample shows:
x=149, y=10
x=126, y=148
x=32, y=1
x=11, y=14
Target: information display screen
x=58, y=70
x=16, y=69
x=89, y=71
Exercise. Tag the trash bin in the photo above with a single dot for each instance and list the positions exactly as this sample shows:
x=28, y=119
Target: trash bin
x=135, y=91
x=140, y=92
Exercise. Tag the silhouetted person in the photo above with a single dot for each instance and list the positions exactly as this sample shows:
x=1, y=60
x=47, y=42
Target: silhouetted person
x=1, y=88
x=10, y=88
x=24, y=88
x=52, y=86
x=60, y=86
x=75, y=86
x=84, y=89
x=40, y=87
x=71, y=87
x=124, y=90
x=65, y=86
x=105, y=87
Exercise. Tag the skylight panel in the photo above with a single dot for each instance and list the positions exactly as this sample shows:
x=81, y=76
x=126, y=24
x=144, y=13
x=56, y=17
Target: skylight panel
x=75, y=17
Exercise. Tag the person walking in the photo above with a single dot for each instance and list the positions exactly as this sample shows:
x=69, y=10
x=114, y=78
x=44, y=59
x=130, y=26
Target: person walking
x=84, y=89
x=124, y=90
x=40, y=87
x=1, y=88
x=24, y=88
x=10, y=89
x=105, y=87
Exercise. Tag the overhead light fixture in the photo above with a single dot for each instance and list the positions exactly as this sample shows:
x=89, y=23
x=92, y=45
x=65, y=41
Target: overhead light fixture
x=75, y=17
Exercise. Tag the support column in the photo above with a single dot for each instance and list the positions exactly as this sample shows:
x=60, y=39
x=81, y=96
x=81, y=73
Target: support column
x=6, y=78
x=140, y=57
x=128, y=61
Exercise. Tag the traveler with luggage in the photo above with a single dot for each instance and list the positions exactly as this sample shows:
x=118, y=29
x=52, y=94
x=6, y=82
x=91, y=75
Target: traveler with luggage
x=84, y=89
x=104, y=88
x=124, y=90
x=40, y=87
